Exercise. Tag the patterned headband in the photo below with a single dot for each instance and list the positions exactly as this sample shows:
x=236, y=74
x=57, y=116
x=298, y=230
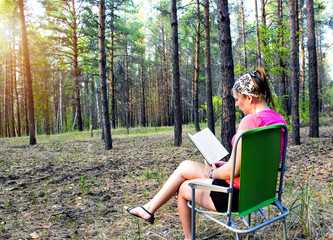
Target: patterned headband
x=244, y=85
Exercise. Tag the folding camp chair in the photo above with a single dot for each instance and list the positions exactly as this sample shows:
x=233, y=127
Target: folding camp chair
x=259, y=183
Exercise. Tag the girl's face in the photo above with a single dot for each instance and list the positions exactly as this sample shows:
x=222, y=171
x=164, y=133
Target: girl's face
x=242, y=102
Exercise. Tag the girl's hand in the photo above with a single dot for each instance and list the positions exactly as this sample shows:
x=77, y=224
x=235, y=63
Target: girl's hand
x=207, y=169
x=219, y=164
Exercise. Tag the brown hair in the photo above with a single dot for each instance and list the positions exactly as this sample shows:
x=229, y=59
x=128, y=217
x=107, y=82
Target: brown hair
x=261, y=85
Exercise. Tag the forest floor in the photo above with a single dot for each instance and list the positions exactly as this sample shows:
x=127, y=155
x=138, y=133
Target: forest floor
x=68, y=187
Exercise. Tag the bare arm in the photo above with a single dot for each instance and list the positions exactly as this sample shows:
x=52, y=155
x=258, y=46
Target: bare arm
x=224, y=172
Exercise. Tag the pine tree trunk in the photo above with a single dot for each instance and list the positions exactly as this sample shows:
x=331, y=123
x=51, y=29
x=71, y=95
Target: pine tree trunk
x=143, y=98
x=264, y=36
x=313, y=74
x=76, y=70
x=196, y=72
x=6, y=93
x=169, y=92
x=16, y=95
x=25, y=98
x=102, y=74
x=164, y=80
x=1, y=113
x=243, y=36
x=302, y=72
x=127, y=91
x=97, y=102
x=46, y=107
x=28, y=77
x=176, y=76
x=112, y=80
x=227, y=72
x=12, y=111
x=282, y=88
x=208, y=71
x=257, y=34
x=60, y=105
x=294, y=73
x=150, y=99
x=158, y=98
x=320, y=77
x=1, y=107
x=56, y=106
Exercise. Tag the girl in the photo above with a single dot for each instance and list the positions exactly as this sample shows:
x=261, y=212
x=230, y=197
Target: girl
x=252, y=96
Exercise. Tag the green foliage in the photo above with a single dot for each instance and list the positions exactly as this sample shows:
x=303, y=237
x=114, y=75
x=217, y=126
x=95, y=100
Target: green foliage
x=147, y=174
x=279, y=106
x=83, y=184
x=304, y=112
x=33, y=194
x=303, y=206
x=217, y=107
x=7, y=8
x=239, y=70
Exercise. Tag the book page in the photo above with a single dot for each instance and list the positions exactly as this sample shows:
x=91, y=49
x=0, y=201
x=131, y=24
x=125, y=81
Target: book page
x=209, y=146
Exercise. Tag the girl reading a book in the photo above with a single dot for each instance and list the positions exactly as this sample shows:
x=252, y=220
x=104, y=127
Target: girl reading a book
x=252, y=96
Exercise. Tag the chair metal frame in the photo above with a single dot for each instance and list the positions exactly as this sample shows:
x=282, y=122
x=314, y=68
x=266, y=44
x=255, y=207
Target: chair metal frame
x=230, y=224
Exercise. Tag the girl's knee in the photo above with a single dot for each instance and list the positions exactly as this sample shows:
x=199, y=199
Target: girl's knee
x=185, y=164
x=184, y=190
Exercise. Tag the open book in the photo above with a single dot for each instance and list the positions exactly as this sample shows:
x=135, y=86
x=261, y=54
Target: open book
x=208, y=145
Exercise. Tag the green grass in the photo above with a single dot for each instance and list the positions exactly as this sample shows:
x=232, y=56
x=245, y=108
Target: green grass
x=116, y=133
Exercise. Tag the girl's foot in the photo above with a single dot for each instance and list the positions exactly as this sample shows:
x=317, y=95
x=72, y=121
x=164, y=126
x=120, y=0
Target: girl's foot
x=141, y=212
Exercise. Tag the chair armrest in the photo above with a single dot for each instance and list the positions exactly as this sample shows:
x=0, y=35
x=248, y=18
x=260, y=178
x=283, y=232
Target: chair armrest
x=209, y=187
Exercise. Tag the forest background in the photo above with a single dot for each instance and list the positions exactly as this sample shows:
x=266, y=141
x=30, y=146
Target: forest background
x=58, y=99
x=63, y=50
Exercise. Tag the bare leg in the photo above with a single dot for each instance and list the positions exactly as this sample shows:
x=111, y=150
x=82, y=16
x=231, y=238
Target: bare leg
x=185, y=171
x=201, y=197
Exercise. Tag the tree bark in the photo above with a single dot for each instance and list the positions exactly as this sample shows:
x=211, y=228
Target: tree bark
x=320, y=76
x=264, y=36
x=143, y=98
x=302, y=72
x=102, y=74
x=283, y=84
x=294, y=73
x=112, y=80
x=196, y=72
x=76, y=70
x=243, y=36
x=1, y=107
x=6, y=96
x=28, y=77
x=97, y=103
x=16, y=94
x=127, y=91
x=257, y=34
x=313, y=74
x=165, y=110
x=158, y=113
x=227, y=72
x=176, y=76
x=60, y=105
x=46, y=106
x=25, y=97
x=208, y=71
x=12, y=79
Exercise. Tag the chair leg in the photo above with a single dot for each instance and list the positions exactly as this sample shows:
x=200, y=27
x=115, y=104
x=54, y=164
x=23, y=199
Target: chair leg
x=285, y=228
x=238, y=236
x=193, y=215
x=249, y=220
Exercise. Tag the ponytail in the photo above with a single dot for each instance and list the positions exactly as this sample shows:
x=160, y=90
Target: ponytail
x=261, y=85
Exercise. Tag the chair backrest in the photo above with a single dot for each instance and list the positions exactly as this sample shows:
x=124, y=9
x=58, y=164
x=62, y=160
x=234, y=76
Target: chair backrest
x=261, y=149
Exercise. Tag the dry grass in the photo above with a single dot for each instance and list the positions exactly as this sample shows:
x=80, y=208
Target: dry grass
x=68, y=186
